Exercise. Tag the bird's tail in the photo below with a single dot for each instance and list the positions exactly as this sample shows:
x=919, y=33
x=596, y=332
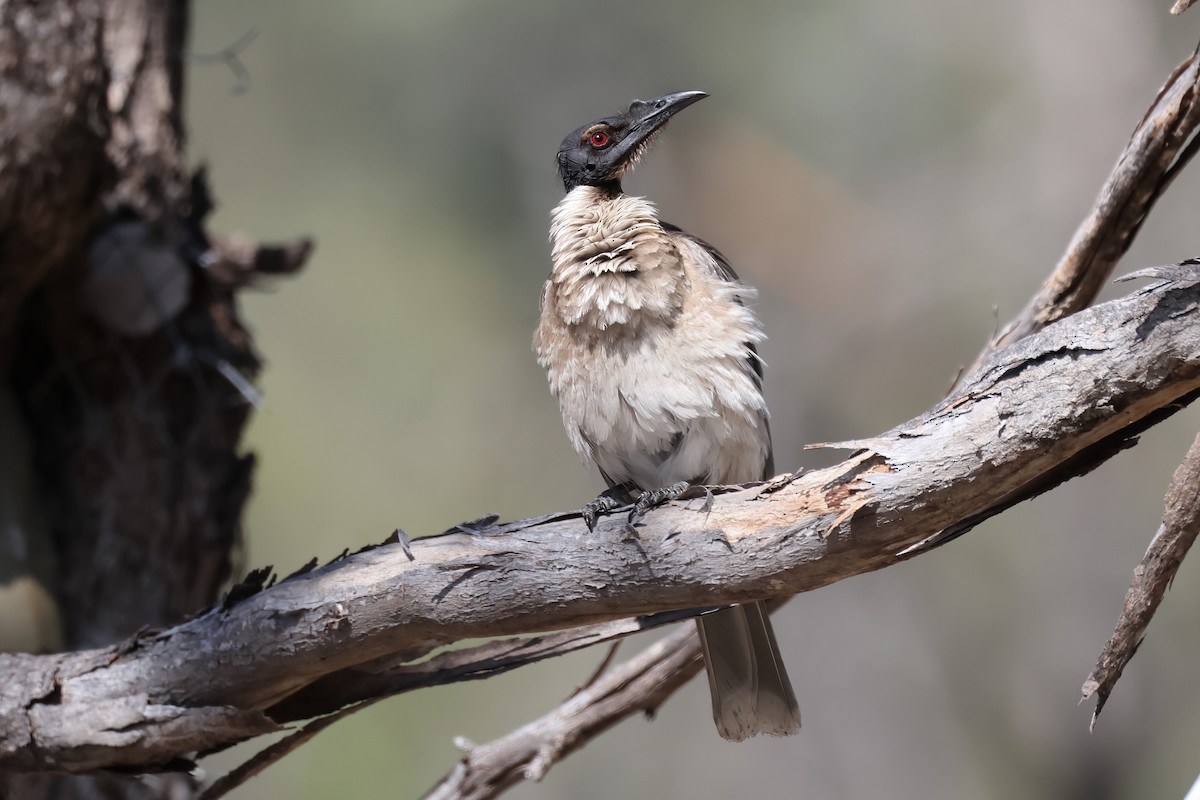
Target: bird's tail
x=751, y=693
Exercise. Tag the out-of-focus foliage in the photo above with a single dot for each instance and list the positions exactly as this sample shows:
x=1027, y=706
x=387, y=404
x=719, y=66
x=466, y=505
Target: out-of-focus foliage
x=892, y=176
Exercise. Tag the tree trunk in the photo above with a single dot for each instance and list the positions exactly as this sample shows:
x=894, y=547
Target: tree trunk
x=126, y=369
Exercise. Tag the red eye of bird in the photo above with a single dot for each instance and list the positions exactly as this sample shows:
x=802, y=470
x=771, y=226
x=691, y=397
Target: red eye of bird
x=599, y=139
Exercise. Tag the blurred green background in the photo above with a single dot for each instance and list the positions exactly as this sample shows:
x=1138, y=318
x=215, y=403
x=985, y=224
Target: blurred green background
x=894, y=177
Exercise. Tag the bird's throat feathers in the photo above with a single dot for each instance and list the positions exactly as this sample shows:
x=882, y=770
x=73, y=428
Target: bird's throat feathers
x=614, y=264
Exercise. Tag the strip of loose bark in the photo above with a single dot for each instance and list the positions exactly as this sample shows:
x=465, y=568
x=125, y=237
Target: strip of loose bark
x=1151, y=578
x=393, y=675
x=1161, y=145
x=1040, y=411
x=350, y=691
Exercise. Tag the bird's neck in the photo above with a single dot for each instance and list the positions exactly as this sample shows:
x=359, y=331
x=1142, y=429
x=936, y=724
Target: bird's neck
x=600, y=228
x=614, y=264
x=611, y=188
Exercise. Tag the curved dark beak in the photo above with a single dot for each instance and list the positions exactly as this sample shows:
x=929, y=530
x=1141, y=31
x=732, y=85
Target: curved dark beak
x=647, y=116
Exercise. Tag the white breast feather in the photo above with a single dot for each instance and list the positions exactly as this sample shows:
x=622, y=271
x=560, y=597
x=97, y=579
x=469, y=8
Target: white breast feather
x=647, y=354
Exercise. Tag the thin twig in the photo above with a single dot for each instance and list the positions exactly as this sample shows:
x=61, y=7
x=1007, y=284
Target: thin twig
x=269, y=755
x=600, y=668
x=231, y=57
x=640, y=684
x=1179, y=528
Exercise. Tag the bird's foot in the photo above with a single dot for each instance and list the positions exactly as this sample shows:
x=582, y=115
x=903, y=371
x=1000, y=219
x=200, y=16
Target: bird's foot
x=610, y=500
x=657, y=497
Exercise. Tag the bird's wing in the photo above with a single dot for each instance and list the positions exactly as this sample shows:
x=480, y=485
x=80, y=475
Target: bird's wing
x=725, y=268
x=725, y=271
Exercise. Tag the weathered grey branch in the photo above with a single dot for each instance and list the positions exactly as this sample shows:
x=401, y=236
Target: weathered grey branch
x=1162, y=144
x=1151, y=578
x=1049, y=407
x=640, y=684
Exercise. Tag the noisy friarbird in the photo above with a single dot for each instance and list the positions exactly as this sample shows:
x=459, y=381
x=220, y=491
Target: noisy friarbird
x=650, y=350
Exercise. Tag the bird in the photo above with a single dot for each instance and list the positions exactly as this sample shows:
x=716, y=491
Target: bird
x=651, y=350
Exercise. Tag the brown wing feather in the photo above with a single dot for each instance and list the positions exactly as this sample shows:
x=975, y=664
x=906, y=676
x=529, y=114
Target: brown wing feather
x=755, y=363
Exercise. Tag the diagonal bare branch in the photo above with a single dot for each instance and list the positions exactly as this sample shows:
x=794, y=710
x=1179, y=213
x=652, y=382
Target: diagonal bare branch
x=1151, y=579
x=1161, y=145
x=642, y=683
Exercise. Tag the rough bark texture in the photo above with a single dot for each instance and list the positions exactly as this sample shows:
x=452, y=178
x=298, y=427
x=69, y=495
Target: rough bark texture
x=1162, y=144
x=1050, y=407
x=135, y=437
x=53, y=95
x=121, y=348
x=1151, y=578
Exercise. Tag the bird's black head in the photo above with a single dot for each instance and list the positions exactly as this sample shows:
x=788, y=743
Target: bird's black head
x=601, y=152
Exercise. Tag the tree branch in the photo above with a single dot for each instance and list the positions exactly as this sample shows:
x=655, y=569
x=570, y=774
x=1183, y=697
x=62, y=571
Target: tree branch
x=641, y=684
x=1161, y=145
x=1049, y=407
x=1179, y=528
x=395, y=674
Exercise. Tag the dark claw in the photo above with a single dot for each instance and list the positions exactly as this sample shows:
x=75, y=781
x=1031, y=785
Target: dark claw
x=611, y=499
x=601, y=505
x=656, y=497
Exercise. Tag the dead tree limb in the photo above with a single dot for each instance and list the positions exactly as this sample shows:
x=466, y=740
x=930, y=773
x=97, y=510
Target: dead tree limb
x=1151, y=578
x=1037, y=413
x=641, y=684
x=1162, y=144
